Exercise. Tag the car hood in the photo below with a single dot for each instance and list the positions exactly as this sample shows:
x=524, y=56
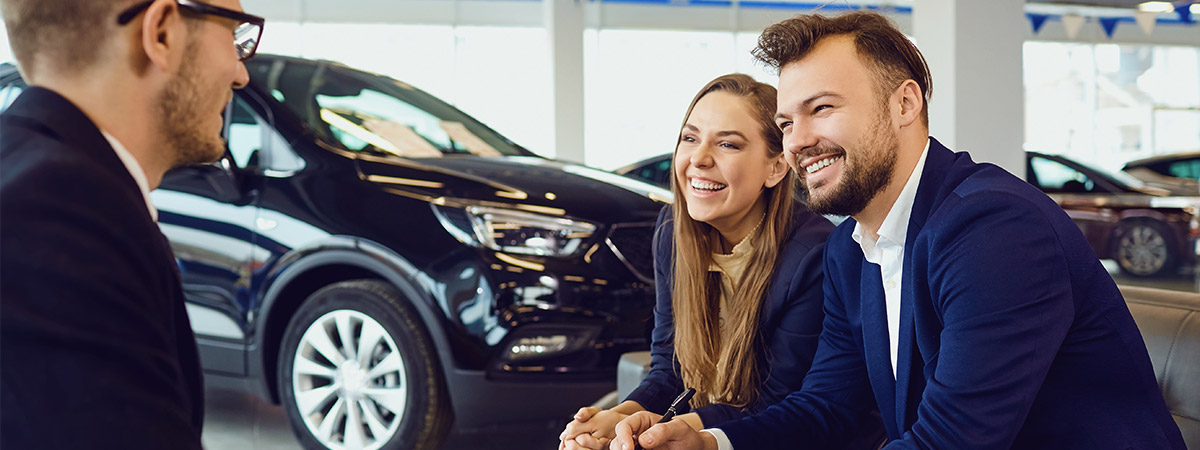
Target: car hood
x=1176, y=186
x=527, y=183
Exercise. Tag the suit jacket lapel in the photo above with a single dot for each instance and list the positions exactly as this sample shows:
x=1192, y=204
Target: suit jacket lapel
x=877, y=347
x=908, y=356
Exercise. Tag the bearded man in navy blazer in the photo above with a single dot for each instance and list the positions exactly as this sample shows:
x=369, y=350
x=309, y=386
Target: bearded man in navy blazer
x=97, y=350
x=960, y=300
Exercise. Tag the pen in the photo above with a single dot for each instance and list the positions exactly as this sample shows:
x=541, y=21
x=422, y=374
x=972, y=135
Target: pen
x=683, y=398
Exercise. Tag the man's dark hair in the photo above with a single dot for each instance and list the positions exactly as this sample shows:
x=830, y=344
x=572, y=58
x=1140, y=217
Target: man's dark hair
x=63, y=34
x=877, y=40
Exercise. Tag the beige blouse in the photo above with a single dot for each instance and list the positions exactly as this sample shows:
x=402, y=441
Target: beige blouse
x=731, y=267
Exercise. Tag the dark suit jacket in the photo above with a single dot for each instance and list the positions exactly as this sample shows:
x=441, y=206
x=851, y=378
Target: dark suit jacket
x=1012, y=334
x=97, y=348
x=790, y=320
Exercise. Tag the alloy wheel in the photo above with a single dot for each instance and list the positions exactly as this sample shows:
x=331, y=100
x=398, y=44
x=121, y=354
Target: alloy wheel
x=1142, y=250
x=349, y=381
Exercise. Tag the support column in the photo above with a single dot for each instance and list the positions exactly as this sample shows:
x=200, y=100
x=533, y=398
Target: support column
x=564, y=28
x=974, y=51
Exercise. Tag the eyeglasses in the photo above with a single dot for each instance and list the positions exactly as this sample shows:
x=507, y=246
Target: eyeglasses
x=245, y=36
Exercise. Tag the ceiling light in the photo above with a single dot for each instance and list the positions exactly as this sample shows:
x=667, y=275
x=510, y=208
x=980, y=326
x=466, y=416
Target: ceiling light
x=1158, y=7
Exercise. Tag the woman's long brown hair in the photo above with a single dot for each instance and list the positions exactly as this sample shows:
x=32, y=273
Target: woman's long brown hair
x=727, y=371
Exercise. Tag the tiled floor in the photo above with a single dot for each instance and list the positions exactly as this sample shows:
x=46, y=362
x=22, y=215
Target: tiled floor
x=236, y=421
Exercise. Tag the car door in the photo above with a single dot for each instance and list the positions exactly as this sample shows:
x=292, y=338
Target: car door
x=209, y=213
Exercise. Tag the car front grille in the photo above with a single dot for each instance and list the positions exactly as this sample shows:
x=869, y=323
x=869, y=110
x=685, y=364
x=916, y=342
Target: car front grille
x=631, y=242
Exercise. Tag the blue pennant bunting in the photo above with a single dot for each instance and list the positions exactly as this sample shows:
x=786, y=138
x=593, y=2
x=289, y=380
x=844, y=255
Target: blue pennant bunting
x=1037, y=20
x=1185, y=12
x=1109, y=24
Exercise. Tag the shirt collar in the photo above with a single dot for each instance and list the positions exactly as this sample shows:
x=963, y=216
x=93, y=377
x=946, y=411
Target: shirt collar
x=894, y=228
x=740, y=251
x=135, y=170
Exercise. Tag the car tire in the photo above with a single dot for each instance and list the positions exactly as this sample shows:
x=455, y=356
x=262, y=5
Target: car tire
x=1142, y=248
x=384, y=394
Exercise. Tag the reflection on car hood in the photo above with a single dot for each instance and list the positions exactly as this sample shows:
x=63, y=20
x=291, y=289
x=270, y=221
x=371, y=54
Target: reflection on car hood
x=528, y=183
x=1175, y=185
x=1126, y=201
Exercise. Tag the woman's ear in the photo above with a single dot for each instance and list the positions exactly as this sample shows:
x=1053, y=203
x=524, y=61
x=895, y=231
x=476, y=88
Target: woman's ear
x=778, y=170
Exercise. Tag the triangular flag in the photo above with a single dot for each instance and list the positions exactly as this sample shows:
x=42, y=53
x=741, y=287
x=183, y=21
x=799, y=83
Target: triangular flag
x=1109, y=24
x=1073, y=23
x=1146, y=20
x=1184, y=9
x=1037, y=20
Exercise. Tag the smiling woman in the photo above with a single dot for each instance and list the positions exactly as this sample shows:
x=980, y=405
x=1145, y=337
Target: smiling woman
x=737, y=270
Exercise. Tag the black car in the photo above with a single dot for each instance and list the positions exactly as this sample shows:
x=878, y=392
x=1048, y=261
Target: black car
x=1149, y=231
x=386, y=266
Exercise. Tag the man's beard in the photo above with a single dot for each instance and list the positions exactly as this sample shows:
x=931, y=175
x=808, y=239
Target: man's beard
x=861, y=181
x=181, y=108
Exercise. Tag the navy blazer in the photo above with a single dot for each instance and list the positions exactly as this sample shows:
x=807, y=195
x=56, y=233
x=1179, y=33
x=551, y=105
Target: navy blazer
x=97, y=349
x=1012, y=334
x=790, y=320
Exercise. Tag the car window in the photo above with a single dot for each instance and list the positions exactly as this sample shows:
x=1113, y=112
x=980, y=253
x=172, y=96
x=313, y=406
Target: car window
x=9, y=92
x=1185, y=169
x=248, y=133
x=662, y=172
x=658, y=172
x=398, y=119
x=1053, y=176
x=372, y=118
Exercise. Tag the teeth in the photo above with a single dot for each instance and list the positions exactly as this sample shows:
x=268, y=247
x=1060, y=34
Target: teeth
x=822, y=164
x=705, y=186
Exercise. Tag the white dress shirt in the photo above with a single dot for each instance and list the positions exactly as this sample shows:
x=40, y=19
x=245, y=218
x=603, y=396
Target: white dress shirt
x=888, y=253
x=135, y=170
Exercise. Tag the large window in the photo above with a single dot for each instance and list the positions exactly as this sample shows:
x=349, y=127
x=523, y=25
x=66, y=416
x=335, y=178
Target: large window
x=1110, y=103
x=5, y=51
x=638, y=84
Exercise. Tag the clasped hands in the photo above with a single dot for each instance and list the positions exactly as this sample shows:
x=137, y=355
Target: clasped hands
x=597, y=429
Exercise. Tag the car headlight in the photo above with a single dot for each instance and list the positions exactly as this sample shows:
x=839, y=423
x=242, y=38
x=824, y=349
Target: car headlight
x=513, y=231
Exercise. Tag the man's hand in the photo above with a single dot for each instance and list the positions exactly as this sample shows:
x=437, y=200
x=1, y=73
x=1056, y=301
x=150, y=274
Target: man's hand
x=674, y=435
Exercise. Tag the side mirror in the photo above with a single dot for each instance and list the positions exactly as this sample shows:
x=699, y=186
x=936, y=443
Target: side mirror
x=222, y=179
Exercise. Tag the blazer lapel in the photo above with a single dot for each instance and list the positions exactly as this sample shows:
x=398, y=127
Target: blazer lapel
x=877, y=347
x=907, y=358
x=908, y=355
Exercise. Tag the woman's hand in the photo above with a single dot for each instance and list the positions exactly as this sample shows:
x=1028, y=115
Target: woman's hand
x=593, y=428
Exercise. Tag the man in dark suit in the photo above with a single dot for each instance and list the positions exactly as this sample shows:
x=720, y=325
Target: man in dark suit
x=959, y=299
x=97, y=350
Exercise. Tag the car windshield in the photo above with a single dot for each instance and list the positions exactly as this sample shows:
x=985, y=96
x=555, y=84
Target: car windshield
x=372, y=113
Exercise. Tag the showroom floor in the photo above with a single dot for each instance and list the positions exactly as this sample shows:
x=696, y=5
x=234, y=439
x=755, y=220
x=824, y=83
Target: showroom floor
x=236, y=421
